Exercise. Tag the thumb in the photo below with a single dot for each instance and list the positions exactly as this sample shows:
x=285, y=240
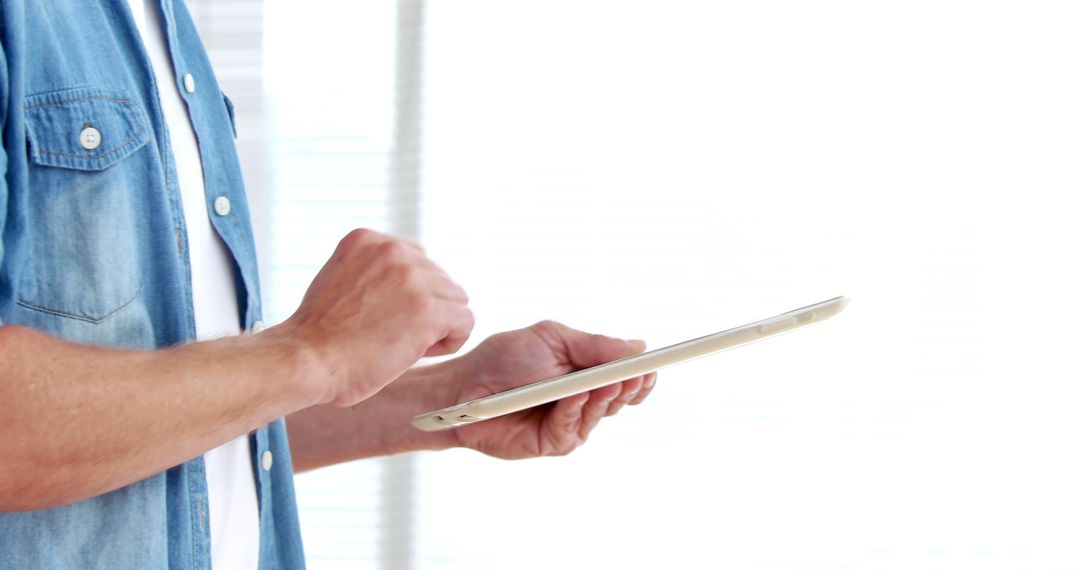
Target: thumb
x=587, y=350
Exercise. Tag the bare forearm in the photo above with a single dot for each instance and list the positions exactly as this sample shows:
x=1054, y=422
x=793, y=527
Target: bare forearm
x=326, y=435
x=78, y=421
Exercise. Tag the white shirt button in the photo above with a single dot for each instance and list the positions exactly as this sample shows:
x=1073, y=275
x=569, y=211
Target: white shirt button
x=258, y=327
x=267, y=460
x=90, y=138
x=222, y=206
x=189, y=83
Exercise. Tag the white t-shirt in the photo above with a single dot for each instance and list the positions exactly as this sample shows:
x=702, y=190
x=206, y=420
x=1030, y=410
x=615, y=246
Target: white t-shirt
x=234, y=511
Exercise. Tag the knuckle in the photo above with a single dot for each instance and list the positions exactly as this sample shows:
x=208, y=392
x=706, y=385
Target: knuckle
x=355, y=238
x=401, y=274
x=347, y=243
x=391, y=251
x=547, y=327
x=360, y=234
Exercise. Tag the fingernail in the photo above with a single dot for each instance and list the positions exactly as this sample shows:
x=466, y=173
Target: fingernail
x=650, y=382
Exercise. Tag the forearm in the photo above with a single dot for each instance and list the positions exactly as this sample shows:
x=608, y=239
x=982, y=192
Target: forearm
x=326, y=435
x=78, y=421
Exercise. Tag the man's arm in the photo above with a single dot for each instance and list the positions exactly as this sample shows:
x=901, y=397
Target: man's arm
x=327, y=435
x=77, y=421
x=323, y=435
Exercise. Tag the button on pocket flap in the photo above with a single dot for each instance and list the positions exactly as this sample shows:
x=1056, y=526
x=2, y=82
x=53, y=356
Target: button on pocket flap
x=84, y=128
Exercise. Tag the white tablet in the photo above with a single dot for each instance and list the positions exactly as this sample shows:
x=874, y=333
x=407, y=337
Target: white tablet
x=560, y=387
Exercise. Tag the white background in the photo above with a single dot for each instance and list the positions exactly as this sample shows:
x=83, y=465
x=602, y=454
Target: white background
x=661, y=170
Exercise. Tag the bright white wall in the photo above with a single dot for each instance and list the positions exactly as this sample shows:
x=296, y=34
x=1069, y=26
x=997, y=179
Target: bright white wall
x=666, y=169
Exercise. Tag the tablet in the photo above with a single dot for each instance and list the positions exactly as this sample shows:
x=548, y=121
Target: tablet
x=560, y=387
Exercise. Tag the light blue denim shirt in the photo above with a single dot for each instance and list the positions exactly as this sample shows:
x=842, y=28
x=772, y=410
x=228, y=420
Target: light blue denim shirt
x=94, y=250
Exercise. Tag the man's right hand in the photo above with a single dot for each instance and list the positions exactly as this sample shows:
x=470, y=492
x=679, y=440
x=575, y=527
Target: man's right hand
x=376, y=307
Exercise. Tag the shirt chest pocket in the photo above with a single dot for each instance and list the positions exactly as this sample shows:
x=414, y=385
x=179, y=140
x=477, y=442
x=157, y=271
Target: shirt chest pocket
x=80, y=213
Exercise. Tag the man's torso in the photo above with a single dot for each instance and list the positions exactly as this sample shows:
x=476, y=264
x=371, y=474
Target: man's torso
x=95, y=250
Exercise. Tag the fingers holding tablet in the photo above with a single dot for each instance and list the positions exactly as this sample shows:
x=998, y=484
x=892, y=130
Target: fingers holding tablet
x=623, y=373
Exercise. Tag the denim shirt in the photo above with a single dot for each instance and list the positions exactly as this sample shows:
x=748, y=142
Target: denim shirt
x=94, y=250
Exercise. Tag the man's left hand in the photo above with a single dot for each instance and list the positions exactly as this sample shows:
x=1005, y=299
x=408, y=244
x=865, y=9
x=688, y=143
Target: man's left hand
x=544, y=350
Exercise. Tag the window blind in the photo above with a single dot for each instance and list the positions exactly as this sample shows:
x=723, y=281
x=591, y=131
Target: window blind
x=330, y=80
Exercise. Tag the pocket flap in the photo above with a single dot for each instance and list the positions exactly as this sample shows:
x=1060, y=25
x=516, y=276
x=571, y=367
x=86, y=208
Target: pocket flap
x=232, y=112
x=83, y=128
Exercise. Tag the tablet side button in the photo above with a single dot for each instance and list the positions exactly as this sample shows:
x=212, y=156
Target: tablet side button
x=769, y=328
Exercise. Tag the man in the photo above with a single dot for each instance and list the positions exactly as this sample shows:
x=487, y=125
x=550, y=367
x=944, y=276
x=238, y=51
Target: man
x=125, y=239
